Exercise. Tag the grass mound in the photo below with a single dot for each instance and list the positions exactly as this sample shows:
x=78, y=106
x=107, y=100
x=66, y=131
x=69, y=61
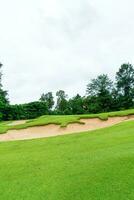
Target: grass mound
x=62, y=120
x=98, y=165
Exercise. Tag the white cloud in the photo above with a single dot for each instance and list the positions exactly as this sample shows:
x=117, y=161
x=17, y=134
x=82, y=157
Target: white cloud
x=61, y=44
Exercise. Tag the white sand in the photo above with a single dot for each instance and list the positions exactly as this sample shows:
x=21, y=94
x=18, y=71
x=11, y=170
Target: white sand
x=54, y=130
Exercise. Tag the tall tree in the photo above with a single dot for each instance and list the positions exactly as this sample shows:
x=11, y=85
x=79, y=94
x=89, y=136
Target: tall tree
x=76, y=105
x=62, y=103
x=99, y=89
x=48, y=99
x=3, y=93
x=125, y=85
x=3, y=97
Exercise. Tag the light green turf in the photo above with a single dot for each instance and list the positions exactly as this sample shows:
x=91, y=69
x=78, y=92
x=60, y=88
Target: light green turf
x=62, y=120
x=97, y=165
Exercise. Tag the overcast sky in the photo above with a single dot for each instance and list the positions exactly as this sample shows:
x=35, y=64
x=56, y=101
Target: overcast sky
x=47, y=45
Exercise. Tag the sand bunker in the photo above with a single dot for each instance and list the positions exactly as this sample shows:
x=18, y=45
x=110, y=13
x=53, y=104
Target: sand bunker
x=54, y=130
x=17, y=122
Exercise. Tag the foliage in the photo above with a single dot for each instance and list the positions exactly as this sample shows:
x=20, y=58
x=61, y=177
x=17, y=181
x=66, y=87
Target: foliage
x=25, y=111
x=99, y=91
x=125, y=85
x=61, y=107
x=102, y=96
x=99, y=86
x=76, y=105
x=3, y=97
x=48, y=99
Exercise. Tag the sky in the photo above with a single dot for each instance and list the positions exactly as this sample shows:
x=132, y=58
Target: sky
x=62, y=44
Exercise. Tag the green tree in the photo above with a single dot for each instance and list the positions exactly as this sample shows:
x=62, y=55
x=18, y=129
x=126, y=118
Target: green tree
x=35, y=109
x=48, y=99
x=125, y=85
x=76, y=105
x=62, y=103
x=91, y=104
x=3, y=93
x=99, y=90
x=3, y=97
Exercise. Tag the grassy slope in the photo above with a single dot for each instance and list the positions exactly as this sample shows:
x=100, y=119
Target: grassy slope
x=63, y=120
x=98, y=165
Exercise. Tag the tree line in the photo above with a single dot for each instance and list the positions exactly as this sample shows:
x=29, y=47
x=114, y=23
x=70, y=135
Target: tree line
x=102, y=95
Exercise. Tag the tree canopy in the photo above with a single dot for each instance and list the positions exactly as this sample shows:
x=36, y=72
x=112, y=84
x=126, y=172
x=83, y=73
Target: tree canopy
x=102, y=95
x=125, y=85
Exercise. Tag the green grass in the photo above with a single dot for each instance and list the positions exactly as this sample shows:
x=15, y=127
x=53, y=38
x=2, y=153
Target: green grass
x=97, y=165
x=63, y=120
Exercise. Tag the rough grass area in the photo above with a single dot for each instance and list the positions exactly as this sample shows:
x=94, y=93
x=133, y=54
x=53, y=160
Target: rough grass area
x=97, y=165
x=62, y=120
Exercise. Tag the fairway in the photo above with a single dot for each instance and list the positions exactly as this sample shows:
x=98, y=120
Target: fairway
x=96, y=165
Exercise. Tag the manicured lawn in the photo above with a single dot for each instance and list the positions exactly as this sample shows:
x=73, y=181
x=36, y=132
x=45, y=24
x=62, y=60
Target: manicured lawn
x=63, y=120
x=88, y=166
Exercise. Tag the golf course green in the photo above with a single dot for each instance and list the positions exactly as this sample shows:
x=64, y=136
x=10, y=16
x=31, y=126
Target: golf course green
x=95, y=165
